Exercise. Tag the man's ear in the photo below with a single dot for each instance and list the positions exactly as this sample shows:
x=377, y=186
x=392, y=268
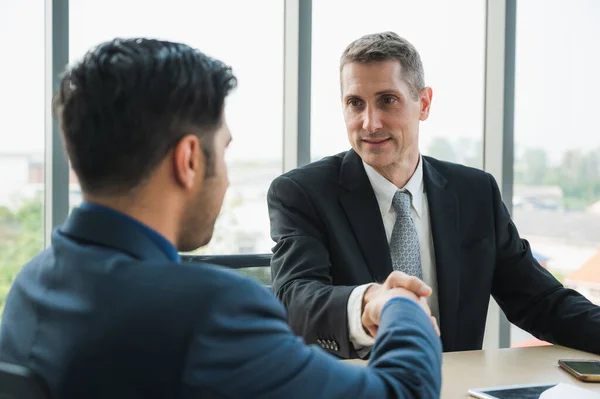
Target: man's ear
x=426, y=97
x=188, y=161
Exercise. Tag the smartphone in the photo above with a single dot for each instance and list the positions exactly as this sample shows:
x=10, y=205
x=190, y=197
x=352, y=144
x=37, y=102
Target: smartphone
x=584, y=370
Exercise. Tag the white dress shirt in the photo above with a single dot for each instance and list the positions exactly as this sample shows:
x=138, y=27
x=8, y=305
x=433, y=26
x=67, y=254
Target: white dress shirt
x=384, y=192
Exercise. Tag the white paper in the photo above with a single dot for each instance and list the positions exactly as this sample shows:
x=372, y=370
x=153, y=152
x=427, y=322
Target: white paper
x=564, y=391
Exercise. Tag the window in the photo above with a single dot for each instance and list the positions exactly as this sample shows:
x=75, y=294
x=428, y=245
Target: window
x=249, y=37
x=556, y=201
x=22, y=137
x=450, y=37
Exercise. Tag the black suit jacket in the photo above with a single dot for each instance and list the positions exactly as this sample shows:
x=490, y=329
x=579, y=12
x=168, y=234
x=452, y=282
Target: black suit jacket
x=330, y=238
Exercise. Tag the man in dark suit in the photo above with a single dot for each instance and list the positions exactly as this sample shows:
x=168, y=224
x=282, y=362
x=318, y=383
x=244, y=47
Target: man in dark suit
x=108, y=312
x=347, y=221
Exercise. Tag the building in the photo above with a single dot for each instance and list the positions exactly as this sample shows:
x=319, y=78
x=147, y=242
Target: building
x=586, y=279
x=594, y=208
x=537, y=197
x=22, y=177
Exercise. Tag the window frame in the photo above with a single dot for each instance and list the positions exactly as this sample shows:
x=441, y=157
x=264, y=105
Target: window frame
x=296, y=108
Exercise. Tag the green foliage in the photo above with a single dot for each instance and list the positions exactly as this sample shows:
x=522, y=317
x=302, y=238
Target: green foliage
x=533, y=168
x=577, y=174
x=22, y=237
x=262, y=274
x=22, y=233
x=464, y=151
x=443, y=149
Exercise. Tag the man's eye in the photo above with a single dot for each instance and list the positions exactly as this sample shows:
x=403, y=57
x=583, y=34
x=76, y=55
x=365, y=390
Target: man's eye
x=388, y=100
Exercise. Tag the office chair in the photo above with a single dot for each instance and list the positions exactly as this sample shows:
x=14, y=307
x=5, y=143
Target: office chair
x=17, y=382
x=238, y=262
x=231, y=261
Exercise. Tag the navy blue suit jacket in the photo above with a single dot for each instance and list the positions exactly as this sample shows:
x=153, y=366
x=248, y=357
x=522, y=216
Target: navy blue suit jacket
x=104, y=313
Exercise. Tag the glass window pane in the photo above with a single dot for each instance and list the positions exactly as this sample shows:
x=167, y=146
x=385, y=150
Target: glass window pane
x=22, y=137
x=451, y=42
x=556, y=201
x=254, y=48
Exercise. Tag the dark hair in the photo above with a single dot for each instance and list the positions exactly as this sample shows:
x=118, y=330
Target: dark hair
x=128, y=102
x=388, y=46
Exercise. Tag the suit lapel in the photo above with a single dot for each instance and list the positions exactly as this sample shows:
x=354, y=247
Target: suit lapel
x=443, y=209
x=361, y=207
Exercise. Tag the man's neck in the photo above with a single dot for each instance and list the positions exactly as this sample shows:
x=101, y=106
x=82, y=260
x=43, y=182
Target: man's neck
x=399, y=173
x=151, y=215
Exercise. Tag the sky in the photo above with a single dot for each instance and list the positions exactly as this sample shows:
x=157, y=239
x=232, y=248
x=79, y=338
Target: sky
x=556, y=74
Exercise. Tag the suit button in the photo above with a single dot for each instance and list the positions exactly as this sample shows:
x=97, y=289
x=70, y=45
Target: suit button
x=335, y=347
x=320, y=343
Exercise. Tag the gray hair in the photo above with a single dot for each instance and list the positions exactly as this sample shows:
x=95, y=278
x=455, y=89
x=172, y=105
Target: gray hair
x=387, y=46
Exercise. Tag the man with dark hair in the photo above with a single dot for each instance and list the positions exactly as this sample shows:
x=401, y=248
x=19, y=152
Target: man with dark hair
x=108, y=312
x=346, y=222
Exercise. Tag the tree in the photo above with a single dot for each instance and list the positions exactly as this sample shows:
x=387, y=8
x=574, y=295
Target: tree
x=533, y=167
x=470, y=152
x=572, y=166
x=577, y=174
x=23, y=239
x=442, y=148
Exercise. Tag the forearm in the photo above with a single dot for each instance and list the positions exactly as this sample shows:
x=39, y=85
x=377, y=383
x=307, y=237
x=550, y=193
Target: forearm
x=405, y=363
x=318, y=313
x=545, y=308
x=407, y=344
x=532, y=298
x=248, y=350
x=566, y=318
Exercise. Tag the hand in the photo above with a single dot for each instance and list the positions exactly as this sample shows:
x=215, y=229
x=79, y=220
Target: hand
x=418, y=287
x=425, y=306
x=398, y=279
x=371, y=316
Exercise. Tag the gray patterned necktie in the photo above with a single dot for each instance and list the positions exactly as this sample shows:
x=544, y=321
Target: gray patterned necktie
x=404, y=244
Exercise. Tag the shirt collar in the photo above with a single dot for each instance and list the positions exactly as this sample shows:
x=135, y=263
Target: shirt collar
x=385, y=190
x=159, y=240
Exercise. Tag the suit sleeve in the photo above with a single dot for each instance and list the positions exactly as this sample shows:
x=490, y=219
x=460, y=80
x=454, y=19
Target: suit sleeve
x=301, y=269
x=249, y=351
x=532, y=298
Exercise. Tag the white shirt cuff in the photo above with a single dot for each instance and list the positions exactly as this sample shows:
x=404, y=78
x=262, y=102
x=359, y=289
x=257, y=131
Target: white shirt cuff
x=358, y=336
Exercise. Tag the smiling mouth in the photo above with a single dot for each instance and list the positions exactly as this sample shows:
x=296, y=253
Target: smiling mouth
x=376, y=141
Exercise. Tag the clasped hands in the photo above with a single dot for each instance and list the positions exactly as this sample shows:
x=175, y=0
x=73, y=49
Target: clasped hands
x=397, y=285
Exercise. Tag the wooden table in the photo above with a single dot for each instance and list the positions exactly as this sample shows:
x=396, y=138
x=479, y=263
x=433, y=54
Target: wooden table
x=476, y=369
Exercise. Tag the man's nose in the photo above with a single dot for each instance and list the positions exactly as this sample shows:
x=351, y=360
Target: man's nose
x=372, y=120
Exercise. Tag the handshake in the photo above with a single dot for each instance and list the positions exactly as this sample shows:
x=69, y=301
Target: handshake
x=397, y=285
